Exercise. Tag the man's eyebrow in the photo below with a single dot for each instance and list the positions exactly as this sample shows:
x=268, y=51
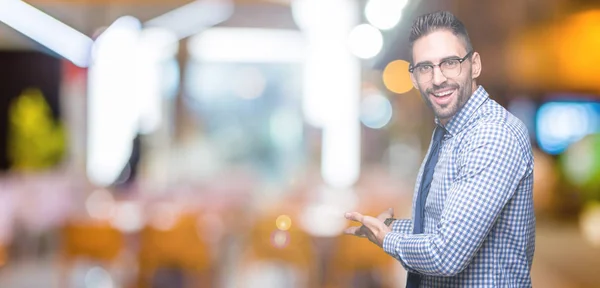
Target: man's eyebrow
x=442, y=60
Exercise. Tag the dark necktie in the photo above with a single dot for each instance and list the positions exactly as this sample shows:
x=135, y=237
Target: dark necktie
x=414, y=279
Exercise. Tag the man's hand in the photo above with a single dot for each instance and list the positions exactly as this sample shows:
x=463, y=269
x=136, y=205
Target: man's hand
x=373, y=228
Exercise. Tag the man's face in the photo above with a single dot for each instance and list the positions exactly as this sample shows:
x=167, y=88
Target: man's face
x=445, y=95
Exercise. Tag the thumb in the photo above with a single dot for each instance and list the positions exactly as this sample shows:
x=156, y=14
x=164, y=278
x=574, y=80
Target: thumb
x=391, y=211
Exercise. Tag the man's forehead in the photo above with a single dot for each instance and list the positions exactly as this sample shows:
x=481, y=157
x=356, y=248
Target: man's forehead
x=438, y=45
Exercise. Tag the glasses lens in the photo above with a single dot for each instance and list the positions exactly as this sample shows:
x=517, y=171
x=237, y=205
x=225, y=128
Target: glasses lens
x=423, y=73
x=451, y=71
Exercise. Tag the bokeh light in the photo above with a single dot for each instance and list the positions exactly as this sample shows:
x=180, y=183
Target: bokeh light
x=128, y=217
x=384, y=14
x=283, y=222
x=590, y=223
x=164, y=216
x=375, y=111
x=581, y=163
x=561, y=123
x=365, y=41
x=100, y=205
x=280, y=239
x=396, y=77
x=97, y=277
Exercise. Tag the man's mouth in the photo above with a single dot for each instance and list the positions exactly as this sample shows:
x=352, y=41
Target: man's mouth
x=443, y=93
x=444, y=96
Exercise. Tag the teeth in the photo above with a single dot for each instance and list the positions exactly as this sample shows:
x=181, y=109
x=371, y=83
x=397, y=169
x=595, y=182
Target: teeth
x=443, y=93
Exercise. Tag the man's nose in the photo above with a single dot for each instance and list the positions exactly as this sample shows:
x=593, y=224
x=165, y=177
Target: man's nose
x=438, y=76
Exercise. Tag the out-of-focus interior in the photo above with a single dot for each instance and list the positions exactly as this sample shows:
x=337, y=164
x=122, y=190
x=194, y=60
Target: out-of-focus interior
x=218, y=143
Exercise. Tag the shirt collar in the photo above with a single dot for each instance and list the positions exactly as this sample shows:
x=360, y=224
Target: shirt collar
x=460, y=120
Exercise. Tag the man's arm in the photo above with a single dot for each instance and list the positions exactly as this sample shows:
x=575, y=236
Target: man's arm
x=490, y=170
x=402, y=226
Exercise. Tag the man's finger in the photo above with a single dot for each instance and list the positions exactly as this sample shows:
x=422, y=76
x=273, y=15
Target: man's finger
x=391, y=210
x=354, y=216
x=355, y=230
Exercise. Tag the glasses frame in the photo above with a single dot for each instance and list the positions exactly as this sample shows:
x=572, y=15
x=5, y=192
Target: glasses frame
x=411, y=68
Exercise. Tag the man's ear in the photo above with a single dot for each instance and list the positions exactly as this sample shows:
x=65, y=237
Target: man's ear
x=475, y=65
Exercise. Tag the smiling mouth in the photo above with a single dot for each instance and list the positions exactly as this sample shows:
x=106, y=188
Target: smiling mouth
x=443, y=93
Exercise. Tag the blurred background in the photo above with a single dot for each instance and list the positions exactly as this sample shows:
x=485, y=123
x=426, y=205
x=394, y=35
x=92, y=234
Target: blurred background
x=217, y=143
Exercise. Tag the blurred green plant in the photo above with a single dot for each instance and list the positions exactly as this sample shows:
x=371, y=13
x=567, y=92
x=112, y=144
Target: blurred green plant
x=35, y=140
x=581, y=166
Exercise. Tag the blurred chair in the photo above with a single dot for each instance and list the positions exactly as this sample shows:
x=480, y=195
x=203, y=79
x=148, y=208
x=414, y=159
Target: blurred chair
x=356, y=262
x=273, y=249
x=176, y=252
x=89, y=240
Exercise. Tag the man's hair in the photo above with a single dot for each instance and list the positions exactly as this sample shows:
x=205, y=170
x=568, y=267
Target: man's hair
x=440, y=20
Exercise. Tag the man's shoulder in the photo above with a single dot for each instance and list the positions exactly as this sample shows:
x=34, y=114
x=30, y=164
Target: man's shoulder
x=495, y=117
x=496, y=122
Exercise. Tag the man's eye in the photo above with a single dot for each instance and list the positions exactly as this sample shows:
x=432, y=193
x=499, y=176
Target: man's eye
x=451, y=63
x=424, y=68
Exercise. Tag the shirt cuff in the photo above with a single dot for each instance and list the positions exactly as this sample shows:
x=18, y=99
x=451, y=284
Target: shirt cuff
x=403, y=226
x=390, y=242
x=391, y=246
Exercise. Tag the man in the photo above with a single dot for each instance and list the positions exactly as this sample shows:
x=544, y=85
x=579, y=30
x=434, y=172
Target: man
x=473, y=222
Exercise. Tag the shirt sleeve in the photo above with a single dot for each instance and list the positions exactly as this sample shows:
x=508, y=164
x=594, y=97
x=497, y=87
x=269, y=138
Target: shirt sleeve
x=490, y=169
x=402, y=226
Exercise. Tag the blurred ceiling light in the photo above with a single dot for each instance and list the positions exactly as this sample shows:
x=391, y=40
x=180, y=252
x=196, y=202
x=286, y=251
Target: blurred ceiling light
x=376, y=111
x=326, y=25
x=396, y=77
x=365, y=41
x=159, y=43
x=46, y=30
x=113, y=116
x=247, y=45
x=118, y=28
x=194, y=17
x=156, y=46
x=331, y=88
x=384, y=14
x=322, y=17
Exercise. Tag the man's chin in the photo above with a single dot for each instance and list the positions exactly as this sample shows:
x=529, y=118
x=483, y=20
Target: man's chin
x=444, y=114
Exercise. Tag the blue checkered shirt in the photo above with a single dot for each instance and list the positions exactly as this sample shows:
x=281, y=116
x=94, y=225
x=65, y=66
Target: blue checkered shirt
x=479, y=225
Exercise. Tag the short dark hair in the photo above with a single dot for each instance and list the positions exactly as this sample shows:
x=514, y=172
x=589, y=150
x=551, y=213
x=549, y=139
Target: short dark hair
x=435, y=21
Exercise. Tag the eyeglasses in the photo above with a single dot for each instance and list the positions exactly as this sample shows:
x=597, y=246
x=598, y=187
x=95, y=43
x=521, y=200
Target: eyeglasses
x=450, y=68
